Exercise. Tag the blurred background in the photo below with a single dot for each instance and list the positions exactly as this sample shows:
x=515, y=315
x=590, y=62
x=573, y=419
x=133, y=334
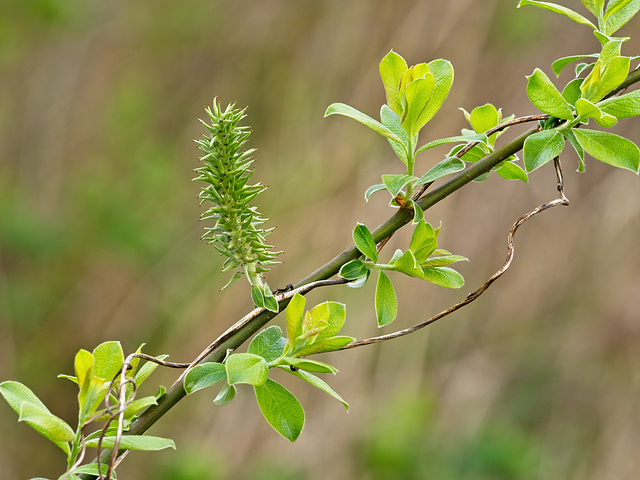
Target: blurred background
x=100, y=239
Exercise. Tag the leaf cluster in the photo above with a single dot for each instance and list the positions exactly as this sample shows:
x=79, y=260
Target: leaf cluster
x=97, y=375
x=421, y=260
x=310, y=332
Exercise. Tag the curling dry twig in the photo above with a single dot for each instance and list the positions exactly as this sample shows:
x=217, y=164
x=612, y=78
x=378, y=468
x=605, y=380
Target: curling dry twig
x=562, y=200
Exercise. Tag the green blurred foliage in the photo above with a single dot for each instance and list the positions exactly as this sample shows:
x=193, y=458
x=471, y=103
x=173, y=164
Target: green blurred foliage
x=99, y=238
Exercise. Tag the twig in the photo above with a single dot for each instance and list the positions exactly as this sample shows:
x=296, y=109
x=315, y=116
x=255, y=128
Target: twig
x=472, y=296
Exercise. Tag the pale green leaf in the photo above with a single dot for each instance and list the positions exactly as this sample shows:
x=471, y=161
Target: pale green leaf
x=512, y=171
x=386, y=302
x=594, y=6
x=407, y=264
x=396, y=182
x=225, y=395
x=347, y=111
x=319, y=383
x=364, y=242
x=561, y=63
x=542, y=147
x=568, y=134
x=423, y=242
x=353, y=269
x=392, y=67
x=109, y=359
x=268, y=344
x=135, y=442
x=443, y=261
x=571, y=92
x=554, y=7
x=460, y=138
x=546, y=97
x=418, y=93
x=309, y=365
x=281, y=409
x=624, y=106
x=45, y=423
x=585, y=109
x=293, y=314
x=445, y=167
x=204, y=375
x=609, y=148
x=246, y=368
x=442, y=71
x=373, y=189
x=391, y=120
x=604, y=78
x=618, y=13
x=443, y=277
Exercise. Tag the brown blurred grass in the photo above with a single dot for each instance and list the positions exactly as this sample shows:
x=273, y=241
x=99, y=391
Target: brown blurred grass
x=99, y=237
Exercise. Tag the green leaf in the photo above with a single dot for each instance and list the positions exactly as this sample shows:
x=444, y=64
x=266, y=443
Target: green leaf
x=571, y=92
x=609, y=148
x=418, y=93
x=319, y=383
x=353, y=269
x=407, y=264
x=268, y=344
x=309, y=365
x=90, y=469
x=138, y=405
x=483, y=118
x=332, y=314
x=604, y=78
x=423, y=241
x=364, y=242
x=443, y=277
x=204, y=375
x=395, y=183
x=347, y=111
x=594, y=6
x=443, y=261
x=585, y=109
x=624, y=106
x=293, y=315
x=442, y=71
x=386, y=301
x=542, y=147
x=445, y=167
x=568, y=134
x=392, y=121
x=16, y=394
x=546, y=97
x=246, y=368
x=373, y=189
x=225, y=395
x=554, y=7
x=146, y=370
x=392, y=67
x=45, y=423
x=135, y=442
x=561, y=63
x=109, y=359
x=328, y=345
x=512, y=171
x=618, y=13
x=281, y=409
x=480, y=137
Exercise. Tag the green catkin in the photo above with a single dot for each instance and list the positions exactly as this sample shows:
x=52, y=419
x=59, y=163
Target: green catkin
x=236, y=233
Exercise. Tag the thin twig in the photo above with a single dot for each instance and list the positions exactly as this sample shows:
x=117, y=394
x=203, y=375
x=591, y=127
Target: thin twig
x=473, y=296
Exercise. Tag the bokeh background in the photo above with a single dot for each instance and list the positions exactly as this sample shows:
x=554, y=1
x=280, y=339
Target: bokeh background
x=100, y=239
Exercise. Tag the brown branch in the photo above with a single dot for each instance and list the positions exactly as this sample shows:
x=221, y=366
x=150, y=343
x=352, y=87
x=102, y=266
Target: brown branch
x=562, y=200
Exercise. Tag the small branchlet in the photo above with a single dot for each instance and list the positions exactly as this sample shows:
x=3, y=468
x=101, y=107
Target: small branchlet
x=236, y=233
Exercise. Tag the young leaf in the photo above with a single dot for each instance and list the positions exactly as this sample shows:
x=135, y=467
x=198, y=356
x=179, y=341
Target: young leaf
x=364, y=242
x=347, y=111
x=609, y=148
x=395, y=183
x=624, y=106
x=442, y=71
x=594, y=6
x=542, y=147
x=443, y=261
x=135, y=442
x=418, y=93
x=546, y=97
x=423, y=241
x=46, y=423
x=373, y=189
x=392, y=121
x=576, y=17
x=108, y=360
x=138, y=405
x=225, y=395
x=293, y=315
x=246, y=368
x=568, y=134
x=618, y=13
x=268, y=344
x=585, y=109
x=561, y=63
x=331, y=314
x=443, y=277
x=392, y=67
x=604, y=77
x=309, y=365
x=483, y=118
x=571, y=91
x=512, y=171
x=386, y=301
x=319, y=383
x=477, y=137
x=445, y=167
x=408, y=265
x=281, y=409
x=204, y=375
x=353, y=269
x=89, y=469
x=328, y=345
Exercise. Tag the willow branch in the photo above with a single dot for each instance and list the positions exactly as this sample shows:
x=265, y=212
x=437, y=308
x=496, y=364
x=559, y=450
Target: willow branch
x=562, y=200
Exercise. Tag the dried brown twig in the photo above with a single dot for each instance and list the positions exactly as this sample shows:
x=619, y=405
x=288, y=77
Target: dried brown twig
x=562, y=200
